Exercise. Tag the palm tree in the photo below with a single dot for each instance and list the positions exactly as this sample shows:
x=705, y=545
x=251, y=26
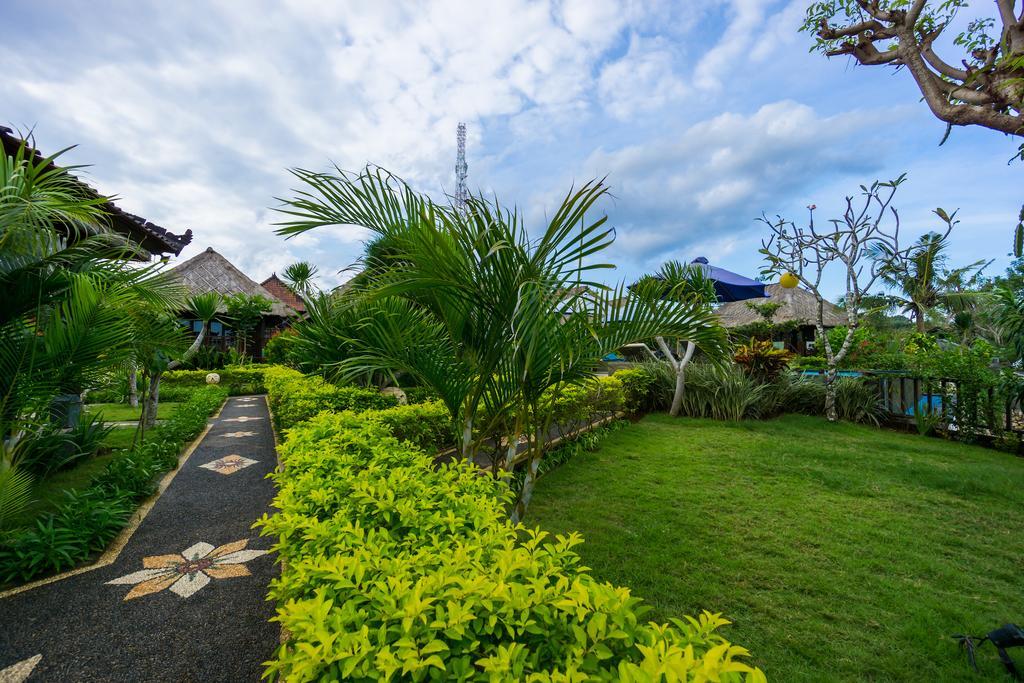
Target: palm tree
x=488, y=317
x=1010, y=317
x=163, y=343
x=68, y=290
x=300, y=277
x=920, y=279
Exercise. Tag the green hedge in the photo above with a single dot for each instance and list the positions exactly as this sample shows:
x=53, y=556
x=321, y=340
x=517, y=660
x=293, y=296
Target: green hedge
x=237, y=379
x=392, y=567
x=89, y=519
x=294, y=397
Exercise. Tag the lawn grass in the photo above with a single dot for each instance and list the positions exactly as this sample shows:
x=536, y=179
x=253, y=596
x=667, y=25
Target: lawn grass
x=840, y=552
x=122, y=412
x=50, y=492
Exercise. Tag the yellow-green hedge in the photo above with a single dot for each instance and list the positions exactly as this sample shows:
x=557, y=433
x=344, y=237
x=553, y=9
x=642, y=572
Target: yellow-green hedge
x=393, y=568
x=295, y=397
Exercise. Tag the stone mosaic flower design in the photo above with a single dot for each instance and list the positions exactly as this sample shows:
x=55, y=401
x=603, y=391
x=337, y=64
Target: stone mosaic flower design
x=191, y=571
x=239, y=435
x=243, y=418
x=16, y=673
x=229, y=464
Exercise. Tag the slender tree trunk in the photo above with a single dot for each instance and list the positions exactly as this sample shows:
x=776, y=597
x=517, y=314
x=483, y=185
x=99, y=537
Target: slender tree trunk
x=919, y=319
x=530, y=479
x=677, y=396
x=679, y=366
x=133, y=387
x=152, y=400
x=830, y=395
x=467, y=438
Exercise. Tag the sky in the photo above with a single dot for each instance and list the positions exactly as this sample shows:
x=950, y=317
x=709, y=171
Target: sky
x=701, y=115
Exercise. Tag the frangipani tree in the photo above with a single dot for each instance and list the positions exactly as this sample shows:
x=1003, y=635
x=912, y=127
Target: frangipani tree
x=677, y=281
x=472, y=306
x=867, y=228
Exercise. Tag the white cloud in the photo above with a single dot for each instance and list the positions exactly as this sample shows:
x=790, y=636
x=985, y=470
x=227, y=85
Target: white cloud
x=746, y=17
x=707, y=185
x=644, y=79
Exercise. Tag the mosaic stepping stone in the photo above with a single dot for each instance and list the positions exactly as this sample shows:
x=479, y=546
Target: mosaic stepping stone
x=16, y=673
x=187, y=573
x=229, y=464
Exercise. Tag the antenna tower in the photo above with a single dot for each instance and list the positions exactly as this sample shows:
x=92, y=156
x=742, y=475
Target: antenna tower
x=461, y=169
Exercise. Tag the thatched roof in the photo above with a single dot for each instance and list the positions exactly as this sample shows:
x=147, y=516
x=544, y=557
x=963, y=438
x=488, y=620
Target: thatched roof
x=797, y=304
x=279, y=288
x=211, y=272
x=149, y=236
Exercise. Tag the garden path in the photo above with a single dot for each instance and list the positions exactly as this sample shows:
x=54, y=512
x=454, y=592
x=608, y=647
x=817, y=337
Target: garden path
x=185, y=598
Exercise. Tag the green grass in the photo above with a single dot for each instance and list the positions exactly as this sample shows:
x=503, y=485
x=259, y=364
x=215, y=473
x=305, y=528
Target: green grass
x=121, y=412
x=49, y=492
x=840, y=552
x=121, y=437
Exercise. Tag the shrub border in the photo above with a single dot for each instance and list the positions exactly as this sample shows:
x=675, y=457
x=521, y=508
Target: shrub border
x=113, y=551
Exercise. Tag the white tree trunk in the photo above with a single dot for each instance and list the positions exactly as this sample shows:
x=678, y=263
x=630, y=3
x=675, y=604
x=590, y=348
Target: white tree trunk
x=133, y=387
x=679, y=366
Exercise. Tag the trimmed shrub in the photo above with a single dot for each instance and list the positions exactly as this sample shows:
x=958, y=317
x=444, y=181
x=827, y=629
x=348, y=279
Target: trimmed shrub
x=637, y=389
x=294, y=397
x=420, y=394
x=582, y=404
x=237, y=379
x=393, y=567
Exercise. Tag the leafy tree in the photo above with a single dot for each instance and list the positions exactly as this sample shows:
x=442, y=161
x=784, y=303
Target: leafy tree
x=983, y=86
x=68, y=315
x=164, y=352
x=919, y=277
x=245, y=312
x=493, y=320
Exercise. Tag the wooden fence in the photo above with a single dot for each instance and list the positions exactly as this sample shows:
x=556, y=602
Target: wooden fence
x=946, y=401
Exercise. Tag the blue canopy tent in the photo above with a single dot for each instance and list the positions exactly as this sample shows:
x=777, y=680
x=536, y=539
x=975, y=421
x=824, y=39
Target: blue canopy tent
x=730, y=286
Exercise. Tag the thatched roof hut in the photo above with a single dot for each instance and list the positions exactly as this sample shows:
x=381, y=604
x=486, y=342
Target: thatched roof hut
x=794, y=321
x=208, y=271
x=798, y=305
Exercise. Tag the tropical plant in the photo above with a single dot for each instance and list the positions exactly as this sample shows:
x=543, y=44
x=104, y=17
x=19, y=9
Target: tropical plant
x=1010, y=317
x=69, y=314
x=852, y=243
x=762, y=361
x=15, y=483
x=919, y=278
x=486, y=316
x=159, y=357
x=301, y=277
x=245, y=312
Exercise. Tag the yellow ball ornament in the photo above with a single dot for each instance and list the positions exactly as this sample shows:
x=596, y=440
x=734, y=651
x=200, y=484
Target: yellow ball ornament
x=789, y=281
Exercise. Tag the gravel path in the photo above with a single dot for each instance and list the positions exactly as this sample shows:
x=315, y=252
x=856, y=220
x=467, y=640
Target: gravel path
x=185, y=599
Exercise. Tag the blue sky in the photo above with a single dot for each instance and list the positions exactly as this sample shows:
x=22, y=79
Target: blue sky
x=702, y=115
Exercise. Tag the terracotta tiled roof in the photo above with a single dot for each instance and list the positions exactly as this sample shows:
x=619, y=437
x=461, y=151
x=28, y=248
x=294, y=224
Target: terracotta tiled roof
x=150, y=236
x=278, y=288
